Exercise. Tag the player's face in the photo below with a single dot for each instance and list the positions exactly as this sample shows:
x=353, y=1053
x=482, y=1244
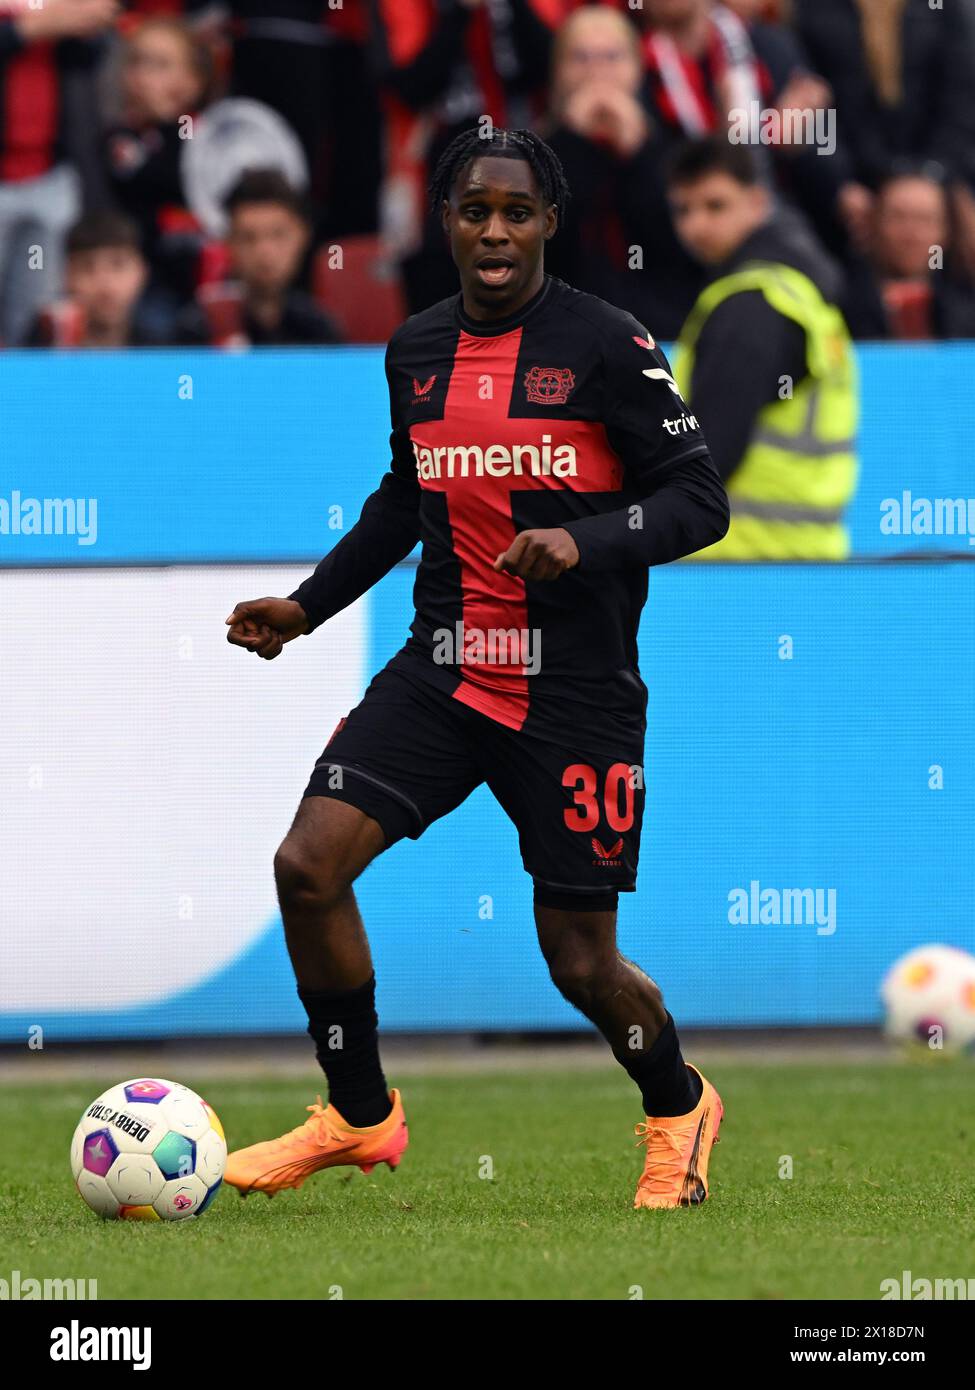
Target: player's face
x=498, y=223
x=714, y=215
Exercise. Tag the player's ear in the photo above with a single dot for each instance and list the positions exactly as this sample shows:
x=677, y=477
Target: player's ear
x=444, y=215
x=551, y=222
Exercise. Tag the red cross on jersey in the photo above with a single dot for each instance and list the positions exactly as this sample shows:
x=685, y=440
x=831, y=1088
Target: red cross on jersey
x=564, y=415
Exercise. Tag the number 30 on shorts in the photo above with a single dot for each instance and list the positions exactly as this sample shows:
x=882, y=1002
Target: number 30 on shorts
x=584, y=781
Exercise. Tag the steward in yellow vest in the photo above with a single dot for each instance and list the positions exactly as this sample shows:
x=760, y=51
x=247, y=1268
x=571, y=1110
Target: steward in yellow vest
x=766, y=363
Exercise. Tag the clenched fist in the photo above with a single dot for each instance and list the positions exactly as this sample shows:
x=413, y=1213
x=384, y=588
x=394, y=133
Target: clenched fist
x=263, y=625
x=539, y=554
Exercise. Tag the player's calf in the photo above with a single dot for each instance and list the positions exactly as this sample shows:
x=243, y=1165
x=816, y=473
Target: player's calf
x=326, y=849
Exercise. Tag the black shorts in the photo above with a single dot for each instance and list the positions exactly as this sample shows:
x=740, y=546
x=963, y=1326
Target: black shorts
x=409, y=753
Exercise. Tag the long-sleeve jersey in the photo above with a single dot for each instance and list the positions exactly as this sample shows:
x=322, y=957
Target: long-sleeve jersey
x=562, y=415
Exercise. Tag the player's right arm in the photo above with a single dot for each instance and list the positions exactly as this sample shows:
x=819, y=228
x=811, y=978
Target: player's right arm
x=387, y=530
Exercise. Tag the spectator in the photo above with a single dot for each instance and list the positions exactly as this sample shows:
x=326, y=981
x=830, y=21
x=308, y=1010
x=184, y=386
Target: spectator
x=270, y=230
x=311, y=62
x=765, y=361
x=902, y=74
x=704, y=65
x=165, y=71
x=823, y=187
x=700, y=65
x=348, y=172
x=904, y=289
x=277, y=59
x=106, y=275
x=444, y=64
x=616, y=240
x=44, y=53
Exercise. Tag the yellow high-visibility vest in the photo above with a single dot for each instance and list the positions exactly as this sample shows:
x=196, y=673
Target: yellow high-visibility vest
x=799, y=472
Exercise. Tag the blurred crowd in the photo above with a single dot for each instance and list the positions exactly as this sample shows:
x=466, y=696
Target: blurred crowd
x=255, y=171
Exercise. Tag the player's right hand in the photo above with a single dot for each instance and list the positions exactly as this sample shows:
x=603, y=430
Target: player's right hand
x=263, y=625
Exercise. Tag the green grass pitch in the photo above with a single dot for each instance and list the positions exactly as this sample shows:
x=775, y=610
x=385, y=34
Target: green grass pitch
x=882, y=1182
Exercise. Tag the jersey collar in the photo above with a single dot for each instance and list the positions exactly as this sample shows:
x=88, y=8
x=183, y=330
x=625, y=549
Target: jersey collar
x=492, y=328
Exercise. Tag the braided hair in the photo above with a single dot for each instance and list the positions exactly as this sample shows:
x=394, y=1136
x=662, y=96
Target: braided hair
x=501, y=144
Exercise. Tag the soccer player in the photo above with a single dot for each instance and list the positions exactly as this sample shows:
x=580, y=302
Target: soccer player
x=542, y=454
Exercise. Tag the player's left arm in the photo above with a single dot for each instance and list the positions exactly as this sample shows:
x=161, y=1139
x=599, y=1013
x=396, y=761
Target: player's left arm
x=682, y=504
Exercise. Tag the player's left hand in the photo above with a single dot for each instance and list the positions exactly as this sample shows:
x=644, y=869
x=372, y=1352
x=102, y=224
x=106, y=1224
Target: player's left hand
x=539, y=554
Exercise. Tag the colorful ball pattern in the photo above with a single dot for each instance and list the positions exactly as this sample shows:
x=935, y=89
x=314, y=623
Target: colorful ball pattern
x=929, y=996
x=148, y=1150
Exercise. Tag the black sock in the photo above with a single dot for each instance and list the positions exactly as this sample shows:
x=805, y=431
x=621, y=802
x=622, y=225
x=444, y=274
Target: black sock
x=356, y=1084
x=667, y=1086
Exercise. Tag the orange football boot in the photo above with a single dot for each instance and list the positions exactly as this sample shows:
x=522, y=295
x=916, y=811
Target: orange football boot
x=675, y=1173
x=323, y=1141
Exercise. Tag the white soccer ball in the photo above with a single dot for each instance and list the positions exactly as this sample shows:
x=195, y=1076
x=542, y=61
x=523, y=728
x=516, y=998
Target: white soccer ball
x=148, y=1150
x=929, y=996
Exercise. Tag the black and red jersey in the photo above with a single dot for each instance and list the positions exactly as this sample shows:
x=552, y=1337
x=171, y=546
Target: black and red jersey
x=563, y=415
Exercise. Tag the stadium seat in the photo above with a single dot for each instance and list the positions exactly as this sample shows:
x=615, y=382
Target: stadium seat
x=365, y=297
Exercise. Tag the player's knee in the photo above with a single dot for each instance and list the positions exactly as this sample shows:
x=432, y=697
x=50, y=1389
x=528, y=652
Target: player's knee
x=304, y=880
x=579, y=976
